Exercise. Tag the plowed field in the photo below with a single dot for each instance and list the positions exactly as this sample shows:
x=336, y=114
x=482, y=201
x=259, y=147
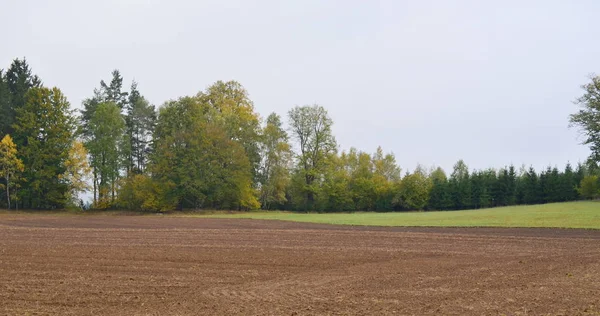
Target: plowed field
x=152, y=265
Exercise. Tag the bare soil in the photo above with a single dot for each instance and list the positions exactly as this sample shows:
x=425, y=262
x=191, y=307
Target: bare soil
x=153, y=265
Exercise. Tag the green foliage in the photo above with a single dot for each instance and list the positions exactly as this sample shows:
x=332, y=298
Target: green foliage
x=589, y=188
x=311, y=127
x=588, y=117
x=228, y=105
x=140, y=121
x=44, y=131
x=460, y=186
x=139, y=192
x=106, y=129
x=198, y=159
x=414, y=190
x=210, y=151
x=275, y=165
x=14, y=85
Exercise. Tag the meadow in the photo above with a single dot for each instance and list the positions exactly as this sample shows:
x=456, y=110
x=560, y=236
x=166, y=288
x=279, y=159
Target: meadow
x=583, y=214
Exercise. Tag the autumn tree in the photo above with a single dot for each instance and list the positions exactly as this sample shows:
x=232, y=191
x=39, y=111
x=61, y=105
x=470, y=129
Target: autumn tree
x=198, y=160
x=228, y=105
x=10, y=165
x=77, y=171
x=386, y=178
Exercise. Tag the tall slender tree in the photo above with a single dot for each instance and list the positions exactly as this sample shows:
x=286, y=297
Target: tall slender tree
x=140, y=121
x=275, y=163
x=106, y=131
x=10, y=165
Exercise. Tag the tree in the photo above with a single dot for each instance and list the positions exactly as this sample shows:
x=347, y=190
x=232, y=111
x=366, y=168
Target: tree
x=77, y=171
x=17, y=81
x=6, y=113
x=439, y=196
x=311, y=127
x=414, y=191
x=589, y=188
x=198, y=160
x=106, y=128
x=140, y=121
x=10, y=164
x=386, y=177
x=228, y=105
x=113, y=91
x=275, y=163
x=44, y=133
x=531, y=188
x=588, y=117
x=460, y=186
x=568, y=184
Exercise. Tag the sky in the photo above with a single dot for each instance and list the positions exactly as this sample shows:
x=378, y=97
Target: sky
x=489, y=82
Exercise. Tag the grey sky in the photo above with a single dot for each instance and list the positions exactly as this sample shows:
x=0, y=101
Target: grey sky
x=490, y=82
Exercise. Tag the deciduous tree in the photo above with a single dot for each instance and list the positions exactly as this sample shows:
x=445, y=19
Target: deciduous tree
x=10, y=165
x=311, y=127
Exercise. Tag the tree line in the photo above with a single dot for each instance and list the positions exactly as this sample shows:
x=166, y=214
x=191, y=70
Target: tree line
x=212, y=150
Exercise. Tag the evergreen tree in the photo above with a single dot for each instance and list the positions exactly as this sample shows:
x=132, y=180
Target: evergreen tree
x=113, y=91
x=568, y=184
x=140, y=121
x=44, y=131
x=531, y=188
x=440, y=197
x=460, y=186
x=17, y=81
x=6, y=115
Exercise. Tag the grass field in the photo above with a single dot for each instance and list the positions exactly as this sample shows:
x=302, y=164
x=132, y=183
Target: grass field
x=563, y=215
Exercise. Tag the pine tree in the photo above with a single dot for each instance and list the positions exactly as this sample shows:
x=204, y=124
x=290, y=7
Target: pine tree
x=17, y=81
x=531, y=188
x=6, y=114
x=568, y=184
x=461, y=186
x=140, y=121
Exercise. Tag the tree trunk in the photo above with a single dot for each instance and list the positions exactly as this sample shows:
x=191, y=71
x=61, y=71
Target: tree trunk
x=7, y=190
x=95, y=185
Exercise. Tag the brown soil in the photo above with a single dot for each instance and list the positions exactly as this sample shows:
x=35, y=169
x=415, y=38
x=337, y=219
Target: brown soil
x=152, y=265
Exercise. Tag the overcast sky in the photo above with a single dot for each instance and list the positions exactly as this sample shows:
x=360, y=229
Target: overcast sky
x=491, y=82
